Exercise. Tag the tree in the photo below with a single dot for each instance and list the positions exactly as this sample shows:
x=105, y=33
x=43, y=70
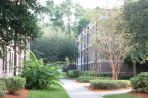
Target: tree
x=73, y=19
x=17, y=23
x=136, y=16
x=83, y=17
x=110, y=40
x=61, y=15
x=55, y=46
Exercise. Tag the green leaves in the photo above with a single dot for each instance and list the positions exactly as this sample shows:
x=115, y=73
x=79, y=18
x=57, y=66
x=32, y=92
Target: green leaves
x=140, y=82
x=39, y=75
x=55, y=46
x=136, y=17
x=3, y=89
x=18, y=21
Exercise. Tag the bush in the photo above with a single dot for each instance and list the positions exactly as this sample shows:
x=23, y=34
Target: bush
x=38, y=75
x=69, y=67
x=88, y=73
x=3, y=89
x=105, y=75
x=125, y=76
x=14, y=84
x=95, y=74
x=140, y=82
x=73, y=73
x=88, y=78
x=109, y=84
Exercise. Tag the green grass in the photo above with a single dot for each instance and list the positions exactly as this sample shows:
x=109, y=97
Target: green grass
x=57, y=92
x=121, y=96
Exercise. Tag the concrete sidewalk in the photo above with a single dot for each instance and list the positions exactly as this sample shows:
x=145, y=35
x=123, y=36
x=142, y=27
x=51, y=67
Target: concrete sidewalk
x=76, y=90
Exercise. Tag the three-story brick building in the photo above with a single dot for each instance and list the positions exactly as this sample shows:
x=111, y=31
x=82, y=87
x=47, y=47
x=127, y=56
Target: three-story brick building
x=89, y=57
x=7, y=63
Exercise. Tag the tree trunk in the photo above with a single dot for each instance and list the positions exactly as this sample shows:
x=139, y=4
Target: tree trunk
x=3, y=68
x=15, y=59
x=134, y=68
x=15, y=54
x=114, y=72
x=25, y=50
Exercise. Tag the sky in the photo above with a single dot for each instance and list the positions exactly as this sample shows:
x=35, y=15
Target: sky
x=96, y=3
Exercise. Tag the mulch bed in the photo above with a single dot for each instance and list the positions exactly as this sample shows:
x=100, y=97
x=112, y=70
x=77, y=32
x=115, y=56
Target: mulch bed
x=99, y=90
x=142, y=95
x=22, y=94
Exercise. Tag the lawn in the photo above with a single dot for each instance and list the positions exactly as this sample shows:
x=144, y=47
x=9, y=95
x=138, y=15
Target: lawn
x=121, y=96
x=57, y=92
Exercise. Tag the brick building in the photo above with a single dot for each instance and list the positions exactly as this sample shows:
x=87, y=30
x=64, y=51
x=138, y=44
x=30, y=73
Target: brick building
x=91, y=59
x=7, y=63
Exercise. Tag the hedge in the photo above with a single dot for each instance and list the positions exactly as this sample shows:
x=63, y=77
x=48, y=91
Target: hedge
x=95, y=74
x=109, y=84
x=73, y=73
x=3, y=89
x=140, y=82
x=88, y=78
x=14, y=84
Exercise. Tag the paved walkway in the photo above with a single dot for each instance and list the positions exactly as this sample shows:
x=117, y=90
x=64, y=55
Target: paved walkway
x=76, y=90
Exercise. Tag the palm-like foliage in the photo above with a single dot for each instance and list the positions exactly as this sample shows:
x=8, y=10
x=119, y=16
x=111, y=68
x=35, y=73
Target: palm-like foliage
x=39, y=75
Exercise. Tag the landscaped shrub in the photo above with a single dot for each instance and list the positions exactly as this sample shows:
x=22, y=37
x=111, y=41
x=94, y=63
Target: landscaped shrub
x=105, y=75
x=95, y=74
x=140, y=82
x=69, y=67
x=73, y=73
x=88, y=78
x=125, y=76
x=88, y=73
x=14, y=84
x=3, y=89
x=38, y=75
x=109, y=84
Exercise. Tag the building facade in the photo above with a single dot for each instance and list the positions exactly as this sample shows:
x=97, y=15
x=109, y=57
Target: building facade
x=7, y=66
x=90, y=59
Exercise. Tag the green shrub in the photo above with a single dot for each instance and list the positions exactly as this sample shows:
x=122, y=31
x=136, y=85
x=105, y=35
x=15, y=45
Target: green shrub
x=125, y=76
x=3, y=89
x=38, y=75
x=14, y=84
x=95, y=74
x=73, y=73
x=140, y=82
x=88, y=73
x=105, y=75
x=88, y=78
x=109, y=84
